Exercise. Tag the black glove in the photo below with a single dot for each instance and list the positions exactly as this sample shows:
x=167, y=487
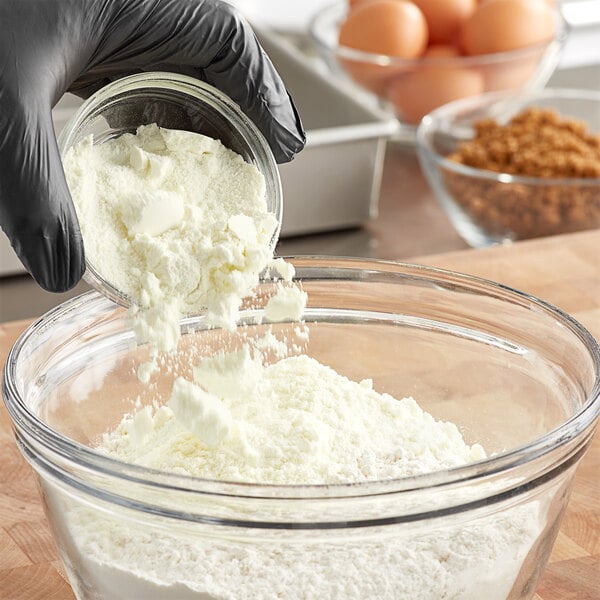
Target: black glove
x=48, y=47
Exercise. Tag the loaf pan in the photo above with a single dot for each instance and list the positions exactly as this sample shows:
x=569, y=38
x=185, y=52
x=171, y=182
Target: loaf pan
x=334, y=182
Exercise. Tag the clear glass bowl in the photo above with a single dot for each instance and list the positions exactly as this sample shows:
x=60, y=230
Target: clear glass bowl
x=177, y=102
x=414, y=87
x=514, y=373
x=489, y=208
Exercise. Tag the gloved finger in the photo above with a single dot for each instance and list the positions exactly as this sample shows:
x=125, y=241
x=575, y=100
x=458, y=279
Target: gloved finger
x=208, y=38
x=36, y=211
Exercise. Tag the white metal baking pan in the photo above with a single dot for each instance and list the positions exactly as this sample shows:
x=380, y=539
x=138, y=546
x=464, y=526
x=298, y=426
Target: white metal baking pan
x=334, y=183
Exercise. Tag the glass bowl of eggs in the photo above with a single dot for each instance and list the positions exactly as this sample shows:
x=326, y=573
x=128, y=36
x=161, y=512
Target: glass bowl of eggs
x=416, y=55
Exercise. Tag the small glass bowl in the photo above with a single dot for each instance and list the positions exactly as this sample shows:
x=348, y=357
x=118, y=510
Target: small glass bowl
x=515, y=374
x=177, y=102
x=414, y=87
x=487, y=207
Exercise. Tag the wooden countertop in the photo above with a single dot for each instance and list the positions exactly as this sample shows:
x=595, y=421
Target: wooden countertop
x=563, y=270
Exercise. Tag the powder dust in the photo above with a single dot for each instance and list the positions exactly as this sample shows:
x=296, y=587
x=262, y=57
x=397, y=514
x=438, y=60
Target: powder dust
x=178, y=224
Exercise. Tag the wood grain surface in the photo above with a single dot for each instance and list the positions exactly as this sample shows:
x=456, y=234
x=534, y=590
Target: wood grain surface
x=563, y=270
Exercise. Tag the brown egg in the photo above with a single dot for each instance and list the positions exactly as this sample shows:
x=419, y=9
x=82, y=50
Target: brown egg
x=426, y=88
x=551, y=3
x=353, y=3
x=445, y=17
x=441, y=51
x=502, y=25
x=373, y=77
x=512, y=74
x=392, y=27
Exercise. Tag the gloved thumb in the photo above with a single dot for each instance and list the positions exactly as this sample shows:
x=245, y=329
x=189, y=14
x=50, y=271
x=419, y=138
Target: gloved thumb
x=36, y=211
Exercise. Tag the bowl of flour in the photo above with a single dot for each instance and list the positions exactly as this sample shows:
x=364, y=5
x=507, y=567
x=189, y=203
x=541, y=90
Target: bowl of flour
x=408, y=434
x=167, y=174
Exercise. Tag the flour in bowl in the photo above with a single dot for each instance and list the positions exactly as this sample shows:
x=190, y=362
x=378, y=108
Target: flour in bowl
x=296, y=421
x=292, y=422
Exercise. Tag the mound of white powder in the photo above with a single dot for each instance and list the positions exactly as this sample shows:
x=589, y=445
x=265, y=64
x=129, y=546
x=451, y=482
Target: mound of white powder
x=296, y=422
x=292, y=422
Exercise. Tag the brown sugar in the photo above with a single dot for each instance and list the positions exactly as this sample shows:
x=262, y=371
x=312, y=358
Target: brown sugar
x=537, y=142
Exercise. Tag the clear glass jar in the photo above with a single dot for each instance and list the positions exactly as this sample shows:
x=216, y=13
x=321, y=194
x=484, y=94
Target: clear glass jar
x=515, y=374
x=176, y=102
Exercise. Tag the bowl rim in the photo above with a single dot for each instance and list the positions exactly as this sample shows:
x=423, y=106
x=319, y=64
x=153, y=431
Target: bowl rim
x=26, y=421
x=386, y=60
x=449, y=110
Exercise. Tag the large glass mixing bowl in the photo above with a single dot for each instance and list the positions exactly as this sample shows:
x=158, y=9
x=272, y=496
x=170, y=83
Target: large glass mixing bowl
x=515, y=374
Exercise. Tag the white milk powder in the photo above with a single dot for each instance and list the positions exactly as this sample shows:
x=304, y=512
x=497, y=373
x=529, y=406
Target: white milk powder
x=473, y=561
x=295, y=422
x=175, y=221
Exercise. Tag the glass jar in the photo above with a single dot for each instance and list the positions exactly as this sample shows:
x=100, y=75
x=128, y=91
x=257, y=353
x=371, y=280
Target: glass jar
x=515, y=374
x=172, y=101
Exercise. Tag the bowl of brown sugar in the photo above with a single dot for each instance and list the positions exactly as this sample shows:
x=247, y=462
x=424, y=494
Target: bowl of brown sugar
x=508, y=167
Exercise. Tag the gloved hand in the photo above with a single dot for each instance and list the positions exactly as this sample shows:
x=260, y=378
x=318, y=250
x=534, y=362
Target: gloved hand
x=48, y=47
